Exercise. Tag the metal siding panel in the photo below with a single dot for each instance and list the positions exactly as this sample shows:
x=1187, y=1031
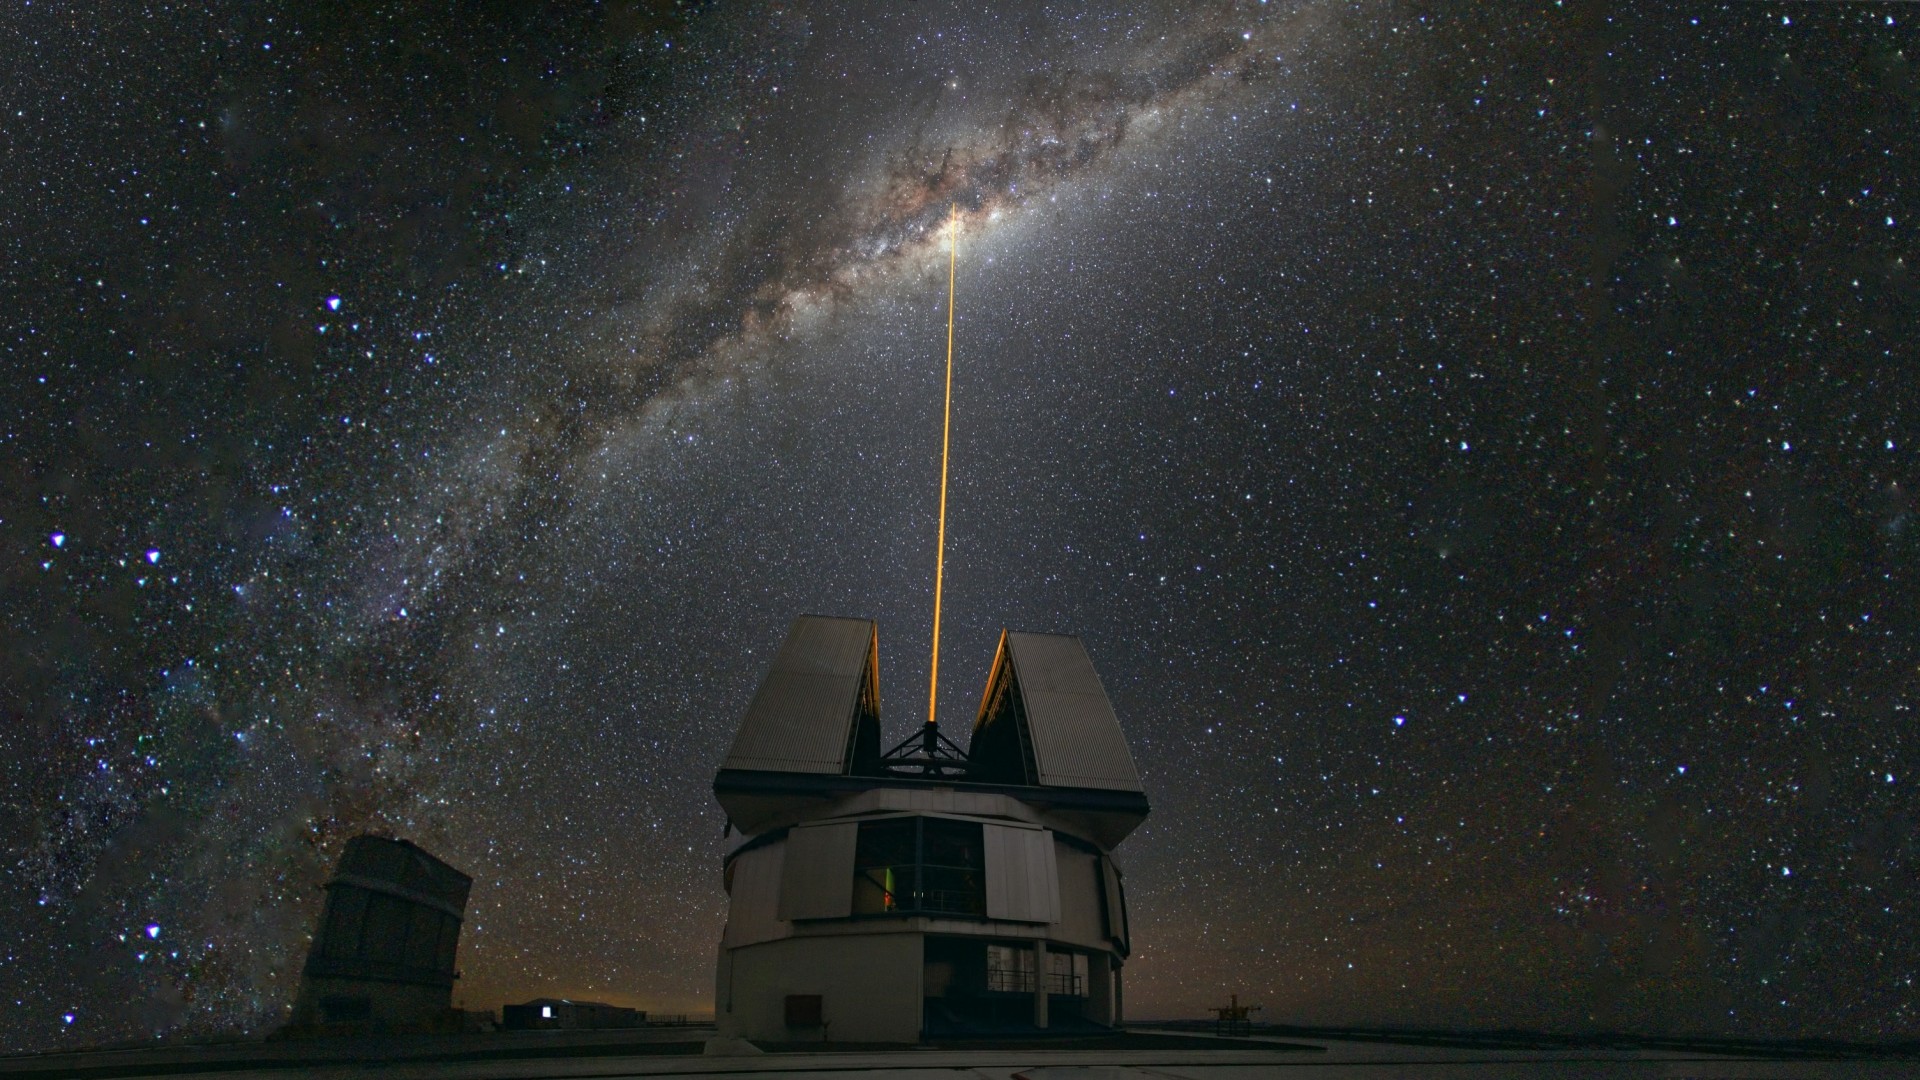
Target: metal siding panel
x=1000, y=871
x=1077, y=742
x=817, y=879
x=1022, y=881
x=1116, y=904
x=797, y=723
x=826, y=646
x=1052, y=662
x=800, y=718
x=1079, y=875
x=1076, y=737
x=754, y=908
x=1043, y=876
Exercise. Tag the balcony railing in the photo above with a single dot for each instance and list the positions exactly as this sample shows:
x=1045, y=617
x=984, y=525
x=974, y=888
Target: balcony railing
x=928, y=888
x=1014, y=980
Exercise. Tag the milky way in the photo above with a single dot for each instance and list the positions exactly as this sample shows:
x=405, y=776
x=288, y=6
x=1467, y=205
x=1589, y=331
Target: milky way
x=1482, y=482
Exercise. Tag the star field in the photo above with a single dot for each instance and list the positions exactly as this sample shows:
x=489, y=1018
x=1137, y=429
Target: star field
x=1476, y=448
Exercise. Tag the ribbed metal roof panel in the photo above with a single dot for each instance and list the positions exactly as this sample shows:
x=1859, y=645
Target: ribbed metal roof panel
x=1076, y=737
x=801, y=718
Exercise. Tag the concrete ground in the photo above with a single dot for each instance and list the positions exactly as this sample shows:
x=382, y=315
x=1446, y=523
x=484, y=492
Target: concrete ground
x=678, y=1052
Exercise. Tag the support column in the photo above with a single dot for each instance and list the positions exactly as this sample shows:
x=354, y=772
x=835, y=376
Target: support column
x=1100, y=988
x=1119, y=1013
x=1040, y=982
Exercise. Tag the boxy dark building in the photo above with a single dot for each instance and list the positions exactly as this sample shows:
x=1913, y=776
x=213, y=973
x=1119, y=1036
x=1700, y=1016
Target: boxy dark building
x=383, y=958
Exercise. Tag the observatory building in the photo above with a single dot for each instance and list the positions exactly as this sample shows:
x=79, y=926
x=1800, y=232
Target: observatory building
x=383, y=957
x=927, y=890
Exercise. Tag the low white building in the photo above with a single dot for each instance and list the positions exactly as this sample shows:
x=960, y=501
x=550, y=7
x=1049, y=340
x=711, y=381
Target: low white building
x=883, y=897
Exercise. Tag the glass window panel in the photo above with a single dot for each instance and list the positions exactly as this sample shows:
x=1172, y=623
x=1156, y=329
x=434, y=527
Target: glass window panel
x=876, y=889
x=1010, y=968
x=883, y=867
x=922, y=865
x=954, y=843
x=884, y=843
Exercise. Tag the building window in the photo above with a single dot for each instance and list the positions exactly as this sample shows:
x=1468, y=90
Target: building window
x=1010, y=970
x=923, y=866
x=546, y=1012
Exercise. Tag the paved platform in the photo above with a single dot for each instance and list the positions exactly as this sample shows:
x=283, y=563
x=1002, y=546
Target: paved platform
x=1136, y=1056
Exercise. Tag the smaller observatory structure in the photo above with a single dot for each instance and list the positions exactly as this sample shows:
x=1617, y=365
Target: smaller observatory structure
x=383, y=957
x=543, y=1014
x=926, y=890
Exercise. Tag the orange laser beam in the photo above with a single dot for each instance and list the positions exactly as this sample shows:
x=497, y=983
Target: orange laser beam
x=946, y=441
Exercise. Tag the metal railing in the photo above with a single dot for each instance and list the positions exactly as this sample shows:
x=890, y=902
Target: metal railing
x=1014, y=980
x=909, y=896
x=950, y=901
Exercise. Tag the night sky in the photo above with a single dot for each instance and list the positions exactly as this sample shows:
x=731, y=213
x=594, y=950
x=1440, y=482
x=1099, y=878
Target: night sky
x=1476, y=445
